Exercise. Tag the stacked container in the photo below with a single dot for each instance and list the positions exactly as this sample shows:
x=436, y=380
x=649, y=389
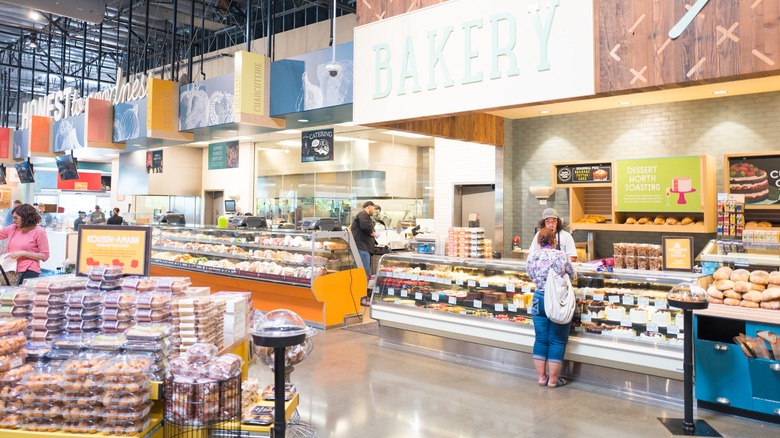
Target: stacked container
x=16, y=302
x=82, y=391
x=12, y=369
x=41, y=396
x=238, y=308
x=49, y=310
x=468, y=242
x=126, y=393
x=151, y=340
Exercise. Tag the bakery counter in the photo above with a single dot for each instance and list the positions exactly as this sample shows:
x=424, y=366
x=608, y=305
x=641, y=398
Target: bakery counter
x=741, y=313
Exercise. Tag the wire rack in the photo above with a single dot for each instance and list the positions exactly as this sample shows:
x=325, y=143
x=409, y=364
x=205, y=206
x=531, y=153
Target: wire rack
x=191, y=408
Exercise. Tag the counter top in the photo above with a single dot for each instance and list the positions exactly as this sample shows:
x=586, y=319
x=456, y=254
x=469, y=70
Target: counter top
x=743, y=313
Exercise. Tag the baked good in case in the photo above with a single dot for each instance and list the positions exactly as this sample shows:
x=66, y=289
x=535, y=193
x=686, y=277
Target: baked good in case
x=659, y=220
x=774, y=277
x=740, y=275
x=630, y=220
x=759, y=277
x=724, y=273
x=671, y=221
x=724, y=285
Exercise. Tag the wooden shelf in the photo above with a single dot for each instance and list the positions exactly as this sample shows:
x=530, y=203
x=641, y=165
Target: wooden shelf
x=699, y=229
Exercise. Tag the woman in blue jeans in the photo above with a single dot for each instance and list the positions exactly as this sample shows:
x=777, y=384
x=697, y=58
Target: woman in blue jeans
x=551, y=338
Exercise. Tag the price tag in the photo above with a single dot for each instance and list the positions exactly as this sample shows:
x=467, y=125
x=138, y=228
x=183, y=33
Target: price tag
x=446, y=281
x=628, y=300
x=472, y=283
x=510, y=287
x=741, y=261
x=414, y=277
x=585, y=317
x=418, y=295
x=625, y=322
x=498, y=307
x=652, y=327
x=614, y=298
x=452, y=300
x=661, y=304
x=435, y=297
x=483, y=284
x=598, y=297
x=511, y=307
x=459, y=282
x=525, y=289
x=390, y=291
x=404, y=293
x=478, y=304
x=673, y=329
x=643, y=301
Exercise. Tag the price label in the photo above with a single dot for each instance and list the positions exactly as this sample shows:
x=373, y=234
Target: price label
x=525, y=289
x=478, y=304
x=614, y=298
x=415, y=277
x=472, y=283
x=483, y=284
x=446, y=281
x=652, y=327
x=511, y=307
x=510, y=287
x=498, y=307
x=435, y=297
x=404, y=293
x=741, y=261
x=585, y=317
x=673, y=329
x=598, y=297
x=643, y=301
x=390, y=291
x=661, y=304
x=628, y=300
x=452, y=300
x=459, y=282
x=625, y=322
x=418, y=295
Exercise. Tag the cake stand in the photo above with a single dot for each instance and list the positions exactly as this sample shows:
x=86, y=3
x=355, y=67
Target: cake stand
x=681, y=198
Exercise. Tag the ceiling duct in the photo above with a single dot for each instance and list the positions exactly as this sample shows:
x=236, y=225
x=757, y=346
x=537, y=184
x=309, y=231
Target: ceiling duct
x=91, y=11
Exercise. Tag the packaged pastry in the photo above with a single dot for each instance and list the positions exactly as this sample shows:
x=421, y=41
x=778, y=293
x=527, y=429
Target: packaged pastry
x=655, y=263
x=641, y=262
x=74, y=341
x=109, y=273
x=45, y=335
x=12, y=421
x=48, y=298
x=22, y=311
x=152, y=345
x=46, y=311
x=30, y=396
x=618, y=249
x=109, y=286
x=11, y=392
x=86, y=364
x=37, y=351
x=116, y=313
x=119, y=299
x=173, y=284
x=128, y=383
x=138, y=399
x=12, y=343
x=139, y=284
x=289, y=391
x=641, y=250
x=90, y=325
x=147, y=332
x=52, y=324
x=152, y=315
x=84, y=299
x=654, y=251
x=128, y=365
x=15, y=375
x=75, y=413
x=83, y=313
x=620, y=262
x=17, y=295
x=224, y=367
x=630, y=249
x=630, y=261
x=127, y=414
x=108, y=342
x=121, y=427
x=153, y=300
x=80, y=426
x=41, y=424
x=116, y=326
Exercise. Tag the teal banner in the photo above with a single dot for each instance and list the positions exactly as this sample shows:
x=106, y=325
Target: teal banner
x=223, y=155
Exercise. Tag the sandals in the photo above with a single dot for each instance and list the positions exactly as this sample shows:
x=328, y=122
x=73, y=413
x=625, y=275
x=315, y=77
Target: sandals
x=546, y=380
x=558, y=384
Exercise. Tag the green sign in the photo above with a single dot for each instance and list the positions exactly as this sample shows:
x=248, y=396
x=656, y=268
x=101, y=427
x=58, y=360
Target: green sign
x=223, y=155
x=659, y=184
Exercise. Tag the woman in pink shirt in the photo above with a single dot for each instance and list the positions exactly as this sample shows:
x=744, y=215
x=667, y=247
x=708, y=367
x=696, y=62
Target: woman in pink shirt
x=27, y=242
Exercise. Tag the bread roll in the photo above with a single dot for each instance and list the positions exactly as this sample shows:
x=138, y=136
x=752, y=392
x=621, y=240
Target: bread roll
x=751, y=224
x=740, y=275
x=731, y=294
x=758, y=287
x=715, y=300
x=724, y=285
x=687, y=221
x=774, y=277
x=671, y=221
x=630, y=220
x=764, y=224
x=741, y=286
x=659, y=220
x=753, y=295
x=643, y=220
x=749, y=304
x=759, y=277
x=731, y=302
x=715, y=293
x=723, y=273
x=771, y=305
x=770, y=294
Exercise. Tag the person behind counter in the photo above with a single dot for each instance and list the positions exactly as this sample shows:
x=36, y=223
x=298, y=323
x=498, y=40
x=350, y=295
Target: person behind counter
x=565, y=242
x=81, y=220
x=9, y=218
x=115, y=218
x=27, y=242
x=97, y=217
x=550, y=338
x=364, y=234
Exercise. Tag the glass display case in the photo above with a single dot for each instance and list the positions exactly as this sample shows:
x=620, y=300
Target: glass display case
x=489, y=299
x=283, y=256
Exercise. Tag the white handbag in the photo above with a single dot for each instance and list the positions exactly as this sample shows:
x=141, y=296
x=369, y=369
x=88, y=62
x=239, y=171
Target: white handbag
x=559, y=298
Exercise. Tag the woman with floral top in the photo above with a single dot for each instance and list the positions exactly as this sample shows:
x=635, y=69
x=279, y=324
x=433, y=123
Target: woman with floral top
x=550, y=338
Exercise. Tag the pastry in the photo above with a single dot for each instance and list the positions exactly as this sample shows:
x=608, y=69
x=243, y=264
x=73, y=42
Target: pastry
x=747, y=179
x=770, y=294
x=724, y=285
x=751, y=224
x=749, y=304
x=671, y=221
x=724, y=273
x=643, y=220
x=715, y=300
x=771, y=305
x=659, y=220
x=731, y=294
x=741, y=286
x=774, y=277
x=764, y=224
x=687, y=221
x=753, y=296
x=740, y=275
x=759, y=277
x=731, y=302
x=714, y=292
x=630, y=220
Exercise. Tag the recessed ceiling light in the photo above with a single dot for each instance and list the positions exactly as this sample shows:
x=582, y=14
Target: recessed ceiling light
x=718, y=92
x=303, y=120
x=544, y=112
x=624, y=102
x=289, y=131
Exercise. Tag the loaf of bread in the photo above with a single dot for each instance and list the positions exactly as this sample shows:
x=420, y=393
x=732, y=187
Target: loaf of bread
x=731, y=302
x=774, y=277
x=749, y=304
x=687, y=221
x=742, y=286
x=770, y=294
x=758, y=287
x=671, y=221
x=714, y=300
x=724, y=285
x=630, y=221
x=753, y=295
x=643, y=220
x=731, y=294
x=740, y=275
x=723, y=273
x=714, y=292
x=771, y=305
x=759, y=277
x=659, y=220
x=764, y=224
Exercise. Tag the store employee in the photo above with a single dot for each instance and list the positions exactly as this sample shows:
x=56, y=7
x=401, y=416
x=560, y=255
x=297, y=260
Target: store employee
x=565, y=241
x=364, y=234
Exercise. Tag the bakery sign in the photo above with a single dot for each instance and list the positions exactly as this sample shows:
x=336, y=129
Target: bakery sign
x=756, y=177
x=670, y=184
x=583, y=173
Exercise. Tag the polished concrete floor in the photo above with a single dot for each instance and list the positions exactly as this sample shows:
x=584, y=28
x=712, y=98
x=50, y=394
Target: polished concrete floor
x=351, y=387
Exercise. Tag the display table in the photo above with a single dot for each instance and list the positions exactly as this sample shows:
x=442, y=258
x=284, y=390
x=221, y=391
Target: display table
x=154, y=430
x=261, y=431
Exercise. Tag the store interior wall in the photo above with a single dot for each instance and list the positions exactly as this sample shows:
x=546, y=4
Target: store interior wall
x=748, y=123
x=237, y=183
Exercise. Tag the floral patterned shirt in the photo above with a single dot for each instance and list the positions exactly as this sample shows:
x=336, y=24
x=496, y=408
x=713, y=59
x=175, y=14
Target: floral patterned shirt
x=541, y=261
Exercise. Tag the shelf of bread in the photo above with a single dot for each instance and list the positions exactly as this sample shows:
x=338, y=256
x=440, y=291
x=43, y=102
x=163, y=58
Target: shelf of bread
x=742, y=288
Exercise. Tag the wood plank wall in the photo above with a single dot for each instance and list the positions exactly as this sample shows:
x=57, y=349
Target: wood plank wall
x=369, y=11
x=472, y=127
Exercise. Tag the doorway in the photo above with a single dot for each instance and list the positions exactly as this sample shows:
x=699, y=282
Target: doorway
x=479, y=199
x=214, y=206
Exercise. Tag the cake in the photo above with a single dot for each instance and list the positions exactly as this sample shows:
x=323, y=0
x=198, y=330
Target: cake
x=652, y=336
x=600, y=175
x=747, y=179
x=615, y=313
x=638, y=315
x=662, y=317
x=596, y=309
x=623, y=332
x=681, y=185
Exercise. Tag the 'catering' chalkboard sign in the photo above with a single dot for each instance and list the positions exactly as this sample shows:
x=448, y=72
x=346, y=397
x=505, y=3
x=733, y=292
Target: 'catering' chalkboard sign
x=583, y=173
x=317, y=145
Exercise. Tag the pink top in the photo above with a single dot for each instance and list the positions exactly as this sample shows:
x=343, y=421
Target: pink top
x=34, y=240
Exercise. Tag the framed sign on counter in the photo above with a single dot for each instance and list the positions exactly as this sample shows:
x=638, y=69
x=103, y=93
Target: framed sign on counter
x=678, y=253
x=108, y=245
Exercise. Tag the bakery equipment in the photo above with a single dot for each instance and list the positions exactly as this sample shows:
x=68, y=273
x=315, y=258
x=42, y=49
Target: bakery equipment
x=425, y=243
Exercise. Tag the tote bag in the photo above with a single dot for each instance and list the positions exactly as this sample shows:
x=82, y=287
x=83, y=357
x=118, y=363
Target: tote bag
x=559, y=299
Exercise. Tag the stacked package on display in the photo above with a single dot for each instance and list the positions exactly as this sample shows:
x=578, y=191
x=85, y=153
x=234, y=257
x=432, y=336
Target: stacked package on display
x=81, y=392
x=238, y=311
x=49, y=307
x=124, y=403
x=16, y=302
x=118, y=308
x=151, y=305
x=151, y=340
x=468, y=242
x=84, y=311
x=12, y=369
x=41, y=398
x=197, y=320
x=67, y=346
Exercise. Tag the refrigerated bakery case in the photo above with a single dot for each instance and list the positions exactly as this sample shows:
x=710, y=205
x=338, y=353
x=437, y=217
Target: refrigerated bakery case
x=622, y=320
x=316, y=274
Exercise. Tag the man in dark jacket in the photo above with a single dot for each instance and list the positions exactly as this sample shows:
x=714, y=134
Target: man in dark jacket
x=115, y=219
x=364, y=234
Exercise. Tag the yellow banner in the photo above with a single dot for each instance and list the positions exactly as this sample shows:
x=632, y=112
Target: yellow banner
x=162, y=104
x=106, y=245
x=252, y=90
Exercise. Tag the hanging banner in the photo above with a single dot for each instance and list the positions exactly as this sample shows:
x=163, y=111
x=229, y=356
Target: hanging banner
x=582, y=173
x=206, y=103
x=317, y=145
x=252, y=90
x=21, y=144
x=129, y=120
x=99, y=124
x=69, y=134
x=154, y=161
x=223, y=155
x=659, y=184
x=40, y=136
x=6, y=144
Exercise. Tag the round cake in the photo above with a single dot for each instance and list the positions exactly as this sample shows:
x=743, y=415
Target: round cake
x=596, y=309
x=652, y=336
x=638, y=315
x=662, y=317
x=615, y=312
x=623, y=332
x=747, y=179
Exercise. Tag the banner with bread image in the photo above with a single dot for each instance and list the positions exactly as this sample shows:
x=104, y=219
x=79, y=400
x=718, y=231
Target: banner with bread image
x=757, y=178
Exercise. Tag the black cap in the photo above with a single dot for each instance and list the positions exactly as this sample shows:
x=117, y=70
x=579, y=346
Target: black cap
x=368, y=204
x=82, y=212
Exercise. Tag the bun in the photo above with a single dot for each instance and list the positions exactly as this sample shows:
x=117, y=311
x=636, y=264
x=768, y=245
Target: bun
x=714, y=293
x=740, y=275
x=724, y=285
x=749, y=304
x=630, y=220
x=643, y=220
x=731, y=302
x=774, y=277
x=731, y=294
x=741, y=286
x=751, y=224
x=759, y=277
x=754, y=296
x=659, y=220
x=687, y=221
x=671, y=221
x=771, y=305
x=724, y=273
x=764, y=224
x=770, y=294
x=715, y=300
x=758, y=287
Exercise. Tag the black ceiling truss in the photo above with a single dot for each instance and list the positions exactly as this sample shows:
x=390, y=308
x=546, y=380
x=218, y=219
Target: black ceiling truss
x=40, y=56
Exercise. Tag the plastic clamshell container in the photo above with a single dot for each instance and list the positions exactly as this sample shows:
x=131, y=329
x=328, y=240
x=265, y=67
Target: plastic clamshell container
x=155, y=300
x=148, y=332
x=118, y=314
x=128, y=365
x=80, y=413
x=83, y=313
x=10, y=361
x=81, y=384
x=12, y=421
x=22, y=310
x=51, y=324
x=132, y=384
x=88, y=364
x=108, y=342
x=41, y=410
x=81, y=398
x=48, y=396
x=12, y=343
x=80, y=426
x=134, y=415
x=90, y=325
x=50, y=299
x=119, y=299
x=73, y=341
x=10, y=326
x=12, y=407
x=161, y=345
x=124, y=427
x=126, y=399
x=16, y=295
x=15, y=375
x=37, y=350
x=116, y=327
x=11, y=393
x=49, y=310
x=84, y=299
x=173, y=284
x=139, y=284
x=42, y=424
x=153, y=355
x=110, y=273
